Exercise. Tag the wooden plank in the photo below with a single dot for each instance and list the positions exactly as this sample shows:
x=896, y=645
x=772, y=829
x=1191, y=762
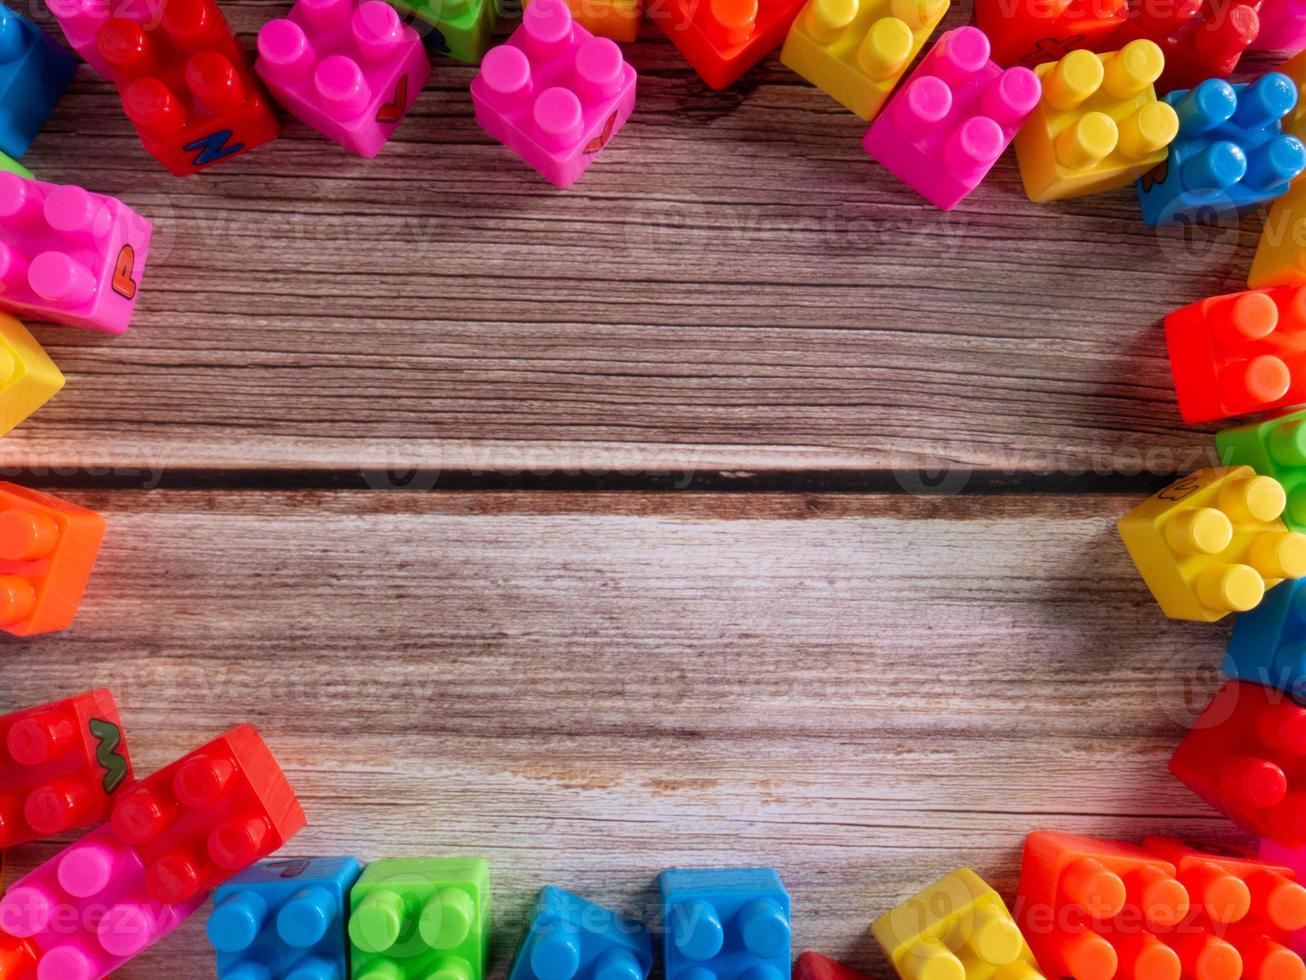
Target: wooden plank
x=733, y=286
x=862, y=691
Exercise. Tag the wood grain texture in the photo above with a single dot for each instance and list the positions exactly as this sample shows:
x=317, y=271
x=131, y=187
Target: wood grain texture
x=734, y=285
x=862, y=691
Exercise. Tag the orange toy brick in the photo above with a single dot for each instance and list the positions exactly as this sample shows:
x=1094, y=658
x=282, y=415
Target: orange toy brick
x=17, y=958
x=814, y=966
x=1033, y=32
x=1239, y=353
x=1091, y=909
x=210, y=814
x=47, y=549
x=61, y=765
x=722, y=39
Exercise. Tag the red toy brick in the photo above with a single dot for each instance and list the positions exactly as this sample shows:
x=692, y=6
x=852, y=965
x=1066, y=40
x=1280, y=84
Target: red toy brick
x=61, y=765
x=814, y=966
x=1201, y=39
x=209, y=815
x=722, y=39
x=186, y=85
x=1239, y=353
x=1032, y=32
x=17, y=958
x=1244, y=756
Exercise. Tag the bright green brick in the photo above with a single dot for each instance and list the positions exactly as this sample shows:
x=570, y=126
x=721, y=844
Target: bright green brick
x=11, y=165
x=1277, y=448
x=420, y=919
x=460, y=29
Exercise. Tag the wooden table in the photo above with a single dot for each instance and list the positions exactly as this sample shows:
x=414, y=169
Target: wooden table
x=686, y=574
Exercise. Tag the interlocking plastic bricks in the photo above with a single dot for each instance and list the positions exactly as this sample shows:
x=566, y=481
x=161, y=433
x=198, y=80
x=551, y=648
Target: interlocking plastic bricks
x=814, y=966
x=1098, y=125
x=1268, y=644
x=1031, y=32
x=1243, y=911
x=284, y=920
x=47, y=549
x=1212, y=542
x=725, y=924
x=34, y=71
x=554, y=94
x=11, y=166
x=1273, y=447
x=350, y=70
x=857, y=50
x=615, y=19
x=1283, y=26
x=1244, y=755
x=60, y=766
x=572, y=939
x=28, y=378
x=185, y=84
x=1092, y=909
x=956, y=929
x=1239, y=353
x=1231, y=154
x=1201, y=39
x=943, y=131
x=722, y=39
x=415, y=918
x=460, y=29
x=68, y=255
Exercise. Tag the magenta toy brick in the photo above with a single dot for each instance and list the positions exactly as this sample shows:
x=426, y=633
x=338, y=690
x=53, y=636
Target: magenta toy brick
x=68, y=255
x=554, y=94
x=86, y=911
x=943, y=131
x=1283, y=26
x=350, y=70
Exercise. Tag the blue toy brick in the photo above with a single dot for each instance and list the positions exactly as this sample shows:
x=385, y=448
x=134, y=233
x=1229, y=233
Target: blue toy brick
x=34, y=71
x=284, y=920
x=572, y=938
x=1231, y=154
x=1268, y=644
x=725, y=924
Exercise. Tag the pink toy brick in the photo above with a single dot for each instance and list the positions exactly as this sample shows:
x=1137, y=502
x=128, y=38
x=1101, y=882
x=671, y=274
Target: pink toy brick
x=943, y=131
x=554, y=94
x=86, y=911
x=68, y=255
x=1283, y=26
x=350, y=70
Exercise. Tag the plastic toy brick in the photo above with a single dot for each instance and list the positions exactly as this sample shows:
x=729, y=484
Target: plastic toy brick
x=943, y=131
x=185, y=85
x=554, y=94
x=572, y=939
x=1288, y=857
x=1031, y=32
x=615, y=19
x=17, y=958
x=9, y=165
x=1231, y=154
x=415, y=918
x=1098, y=125
x=60, y=766
x=350, y=70
x=858, y=50
x=1239, y=353
x=284, y=920
x=1274, y=447
x=1091, y=909
x=28, y=378
x=1283, y=26
x=1244, y=757
x=726, y=923
x=1211, y=543
x=814, y=966
x=722, y=39
x=1268, y=644
x=1201, y=39
x=1281, y=256
x=86, y=911
x=460, y=29
x=34, y=71
x=956, y=929
x=68, y=255
x=47, y=549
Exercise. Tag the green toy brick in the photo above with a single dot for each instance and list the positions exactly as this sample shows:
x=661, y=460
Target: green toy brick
x=420, y=919
x=10, y=165
x=1275, y=447
x=459, y=29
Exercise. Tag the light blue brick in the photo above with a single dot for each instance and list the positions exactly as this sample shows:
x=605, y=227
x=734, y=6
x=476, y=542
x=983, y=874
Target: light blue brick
x=284, y=920
x=725, y=924
x=34, y=71
x=572, y=939
x=1268, y=644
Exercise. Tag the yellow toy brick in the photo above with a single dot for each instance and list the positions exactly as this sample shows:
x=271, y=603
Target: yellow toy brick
x=857, y=50
x=1211, y=543
x=28, y=378
x=956, y=929
x=1099, y=124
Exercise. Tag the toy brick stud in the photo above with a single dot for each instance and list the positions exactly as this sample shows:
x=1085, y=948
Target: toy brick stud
x=725, y=922
x=722, y=39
